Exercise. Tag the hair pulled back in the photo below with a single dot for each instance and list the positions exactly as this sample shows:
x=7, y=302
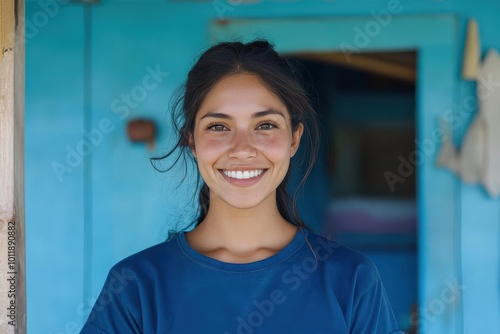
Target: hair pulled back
x=256, y=58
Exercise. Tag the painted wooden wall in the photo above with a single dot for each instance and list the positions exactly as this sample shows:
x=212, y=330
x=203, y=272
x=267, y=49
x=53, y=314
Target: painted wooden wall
x=12, y=228
x=92, y=198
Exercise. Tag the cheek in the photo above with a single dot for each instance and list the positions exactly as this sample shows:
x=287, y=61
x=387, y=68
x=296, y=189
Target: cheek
x=208, y=149
x=209, y=141
x=276, y=147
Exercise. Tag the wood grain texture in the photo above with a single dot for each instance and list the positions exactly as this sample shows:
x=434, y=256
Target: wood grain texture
x=371, y=62
x=7, y=25
x=12, y=245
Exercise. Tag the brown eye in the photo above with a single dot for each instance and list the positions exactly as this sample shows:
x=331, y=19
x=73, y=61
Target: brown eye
x=216, y=127
x=267, y=126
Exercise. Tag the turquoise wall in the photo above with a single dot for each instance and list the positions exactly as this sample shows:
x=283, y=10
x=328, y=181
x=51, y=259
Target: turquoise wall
x=92, y=198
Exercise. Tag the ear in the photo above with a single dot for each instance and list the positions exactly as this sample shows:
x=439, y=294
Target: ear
x=296, y=139
x=191, y=145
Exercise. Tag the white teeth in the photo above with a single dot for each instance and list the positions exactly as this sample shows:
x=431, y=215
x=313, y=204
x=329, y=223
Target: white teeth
x=243, y=175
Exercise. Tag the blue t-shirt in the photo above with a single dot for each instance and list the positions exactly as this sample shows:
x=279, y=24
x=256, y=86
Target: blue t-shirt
x=171, y=288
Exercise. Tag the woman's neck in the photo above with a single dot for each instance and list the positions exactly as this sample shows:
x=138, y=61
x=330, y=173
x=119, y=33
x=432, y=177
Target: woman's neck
x=241, y=235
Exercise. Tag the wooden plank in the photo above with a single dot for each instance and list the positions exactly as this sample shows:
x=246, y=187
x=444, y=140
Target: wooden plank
x=472, y=52
x=345, y=34
x=12, y=246
x=361, y=61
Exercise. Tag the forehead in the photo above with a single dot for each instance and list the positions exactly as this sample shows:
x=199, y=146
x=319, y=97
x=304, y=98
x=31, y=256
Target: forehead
x=240, y=94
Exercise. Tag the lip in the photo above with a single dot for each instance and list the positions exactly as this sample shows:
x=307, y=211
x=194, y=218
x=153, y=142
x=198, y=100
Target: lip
x=243, y=182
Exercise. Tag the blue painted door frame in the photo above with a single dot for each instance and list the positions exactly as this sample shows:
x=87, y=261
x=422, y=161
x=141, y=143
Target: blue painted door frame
x=435, y=38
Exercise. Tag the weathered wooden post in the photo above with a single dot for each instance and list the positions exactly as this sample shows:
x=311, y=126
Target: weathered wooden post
x=12, y=242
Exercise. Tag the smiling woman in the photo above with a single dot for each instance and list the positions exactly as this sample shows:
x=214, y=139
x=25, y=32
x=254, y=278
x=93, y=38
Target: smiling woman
x=250, y=132
x=250, y=264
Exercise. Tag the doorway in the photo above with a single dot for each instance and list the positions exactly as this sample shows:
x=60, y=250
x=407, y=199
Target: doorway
x=367, y=111
x=435, y=38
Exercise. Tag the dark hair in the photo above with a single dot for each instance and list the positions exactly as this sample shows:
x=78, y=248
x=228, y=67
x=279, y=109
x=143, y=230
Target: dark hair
x=275, y=72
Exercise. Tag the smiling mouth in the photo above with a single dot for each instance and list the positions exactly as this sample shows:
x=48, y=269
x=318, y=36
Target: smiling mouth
x=243, y=175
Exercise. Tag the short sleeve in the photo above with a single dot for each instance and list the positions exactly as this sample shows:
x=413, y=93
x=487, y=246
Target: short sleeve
x=117, y=309
x=372, y=312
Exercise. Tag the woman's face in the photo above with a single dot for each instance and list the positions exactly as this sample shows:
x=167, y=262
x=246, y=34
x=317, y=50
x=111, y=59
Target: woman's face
x=243, y=142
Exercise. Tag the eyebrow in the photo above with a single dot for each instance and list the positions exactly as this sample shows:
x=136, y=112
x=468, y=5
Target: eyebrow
x=255, y=115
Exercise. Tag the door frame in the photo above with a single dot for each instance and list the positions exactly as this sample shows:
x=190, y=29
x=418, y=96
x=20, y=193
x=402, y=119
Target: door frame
x=435, y=38
x=12, y=217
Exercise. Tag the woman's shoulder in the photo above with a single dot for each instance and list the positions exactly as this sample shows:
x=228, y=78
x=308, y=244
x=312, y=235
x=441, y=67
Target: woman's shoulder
x=338, y=256
x=156, y=256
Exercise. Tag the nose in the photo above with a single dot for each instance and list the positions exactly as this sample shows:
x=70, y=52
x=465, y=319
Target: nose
x=242, y=146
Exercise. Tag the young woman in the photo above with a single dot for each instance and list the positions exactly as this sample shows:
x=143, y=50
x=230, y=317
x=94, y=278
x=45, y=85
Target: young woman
x=250, y=265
